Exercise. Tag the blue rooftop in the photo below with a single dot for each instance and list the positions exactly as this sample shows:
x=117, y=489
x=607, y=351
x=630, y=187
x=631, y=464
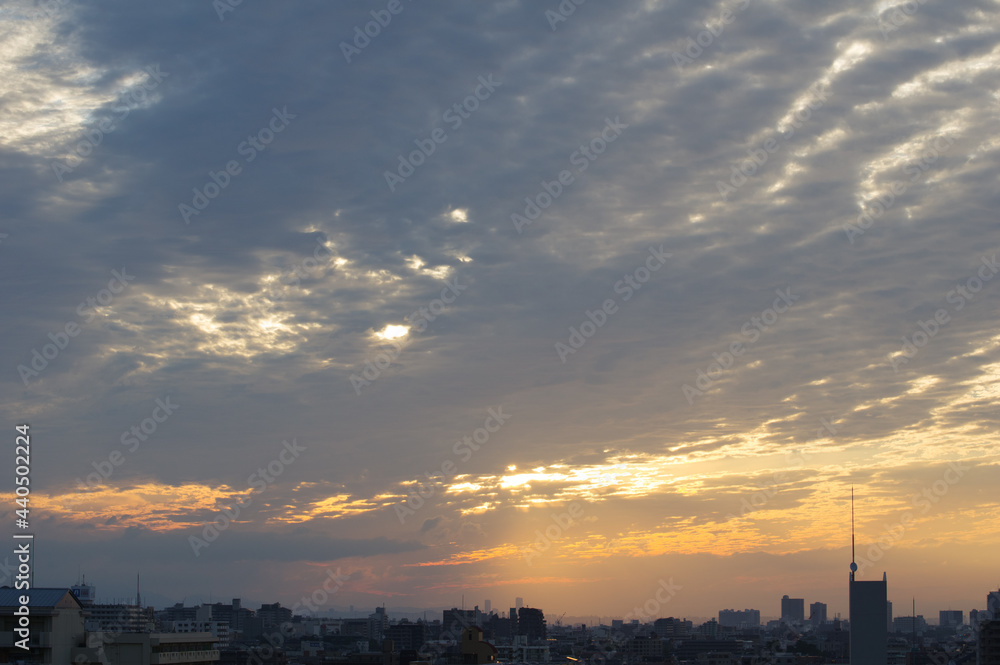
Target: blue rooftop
x=36, y=597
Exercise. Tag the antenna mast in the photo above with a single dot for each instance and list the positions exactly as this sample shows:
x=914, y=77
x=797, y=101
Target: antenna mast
x=854, y=566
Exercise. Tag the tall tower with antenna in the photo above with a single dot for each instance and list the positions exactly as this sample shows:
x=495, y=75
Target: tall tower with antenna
x=869, y=611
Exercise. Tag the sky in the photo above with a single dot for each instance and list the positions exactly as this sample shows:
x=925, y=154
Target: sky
x=606, y=306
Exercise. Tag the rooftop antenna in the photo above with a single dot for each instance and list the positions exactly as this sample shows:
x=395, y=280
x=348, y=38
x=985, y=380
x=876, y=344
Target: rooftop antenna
x=854, y=566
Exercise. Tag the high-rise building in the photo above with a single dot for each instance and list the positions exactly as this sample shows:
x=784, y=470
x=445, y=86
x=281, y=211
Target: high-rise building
x=817, y=614
x=869, y=631
x=888, y=613
x=868, y=602
x=988, y=643
x=993, y=604
x=519, y=603
x=951, y=618
x=793, y=610
x=531, y=622
x=488, y=606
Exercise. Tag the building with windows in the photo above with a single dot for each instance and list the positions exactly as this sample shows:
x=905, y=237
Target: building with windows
x=910, y=625
x=219, y=629
x=671, y=627
x=119, y=618
x=951, y=618
x=406, y=635
x=273, y=615
x=55, y=630
x=161, y=648
x=739, y=618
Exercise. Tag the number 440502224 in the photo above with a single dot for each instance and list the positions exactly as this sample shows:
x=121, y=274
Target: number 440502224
x=23, y=462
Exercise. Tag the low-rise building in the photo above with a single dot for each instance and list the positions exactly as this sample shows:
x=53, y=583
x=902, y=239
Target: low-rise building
x=161, y=649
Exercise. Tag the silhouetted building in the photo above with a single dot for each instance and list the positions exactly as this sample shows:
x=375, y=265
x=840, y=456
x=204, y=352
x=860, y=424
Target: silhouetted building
x=909, y=625
x=993, y=604
x=817, y=614
x=739, y=618
x=152, y=648
x=672, y=628
x=645, y=648
x=273, y=615
x=869, y=632
x=951, y=618
x=988, y=643
x=474, y=650
x=234, y=613
x=793, y=610
x=454, y=621
x=406, y=635
x=531, y=623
